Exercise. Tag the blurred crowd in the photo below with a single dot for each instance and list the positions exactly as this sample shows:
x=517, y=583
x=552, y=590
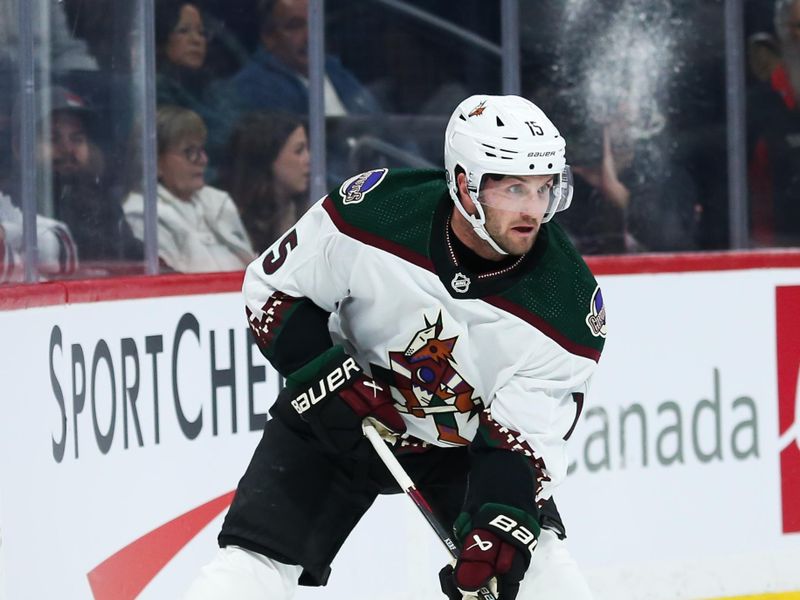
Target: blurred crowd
x=773, y=51
x=640, y=101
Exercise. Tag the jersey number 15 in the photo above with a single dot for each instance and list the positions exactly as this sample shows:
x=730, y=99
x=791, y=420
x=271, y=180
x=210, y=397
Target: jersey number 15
x=275, y=258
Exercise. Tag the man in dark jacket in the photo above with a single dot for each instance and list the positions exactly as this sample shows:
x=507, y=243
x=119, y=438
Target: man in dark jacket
x=276, y=77
x=82, y=196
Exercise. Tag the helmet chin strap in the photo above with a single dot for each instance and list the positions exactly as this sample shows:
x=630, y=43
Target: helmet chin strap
x=478, y=224
x=484, y=235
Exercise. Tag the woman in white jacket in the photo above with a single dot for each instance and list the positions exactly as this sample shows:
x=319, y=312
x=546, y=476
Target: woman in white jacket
x=199, y=228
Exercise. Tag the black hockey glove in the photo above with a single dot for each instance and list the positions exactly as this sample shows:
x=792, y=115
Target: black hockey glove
x=496, y=548
x=333, y=395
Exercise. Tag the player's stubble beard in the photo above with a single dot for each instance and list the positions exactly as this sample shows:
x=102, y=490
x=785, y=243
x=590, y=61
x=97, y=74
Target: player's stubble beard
x=494, y=227
x=502, y=235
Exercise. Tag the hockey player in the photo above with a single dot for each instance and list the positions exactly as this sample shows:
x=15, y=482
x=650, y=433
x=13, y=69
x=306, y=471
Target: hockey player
x=451, y=309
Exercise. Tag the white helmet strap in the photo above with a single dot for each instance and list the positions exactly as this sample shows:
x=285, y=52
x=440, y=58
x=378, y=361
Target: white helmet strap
x=478, y=222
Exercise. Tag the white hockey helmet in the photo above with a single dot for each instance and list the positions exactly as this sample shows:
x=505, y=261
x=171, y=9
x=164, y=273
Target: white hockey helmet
x=504, y=135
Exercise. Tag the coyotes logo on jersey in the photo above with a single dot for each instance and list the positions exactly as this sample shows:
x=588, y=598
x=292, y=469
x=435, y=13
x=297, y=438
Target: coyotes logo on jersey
x=425, y=374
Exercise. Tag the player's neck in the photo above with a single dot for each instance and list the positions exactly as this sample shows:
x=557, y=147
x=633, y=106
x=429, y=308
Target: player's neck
x=467, y=236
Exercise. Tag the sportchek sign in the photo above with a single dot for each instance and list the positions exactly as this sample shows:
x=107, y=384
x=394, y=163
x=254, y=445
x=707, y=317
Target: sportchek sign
x=787, y=319
x=129, y=413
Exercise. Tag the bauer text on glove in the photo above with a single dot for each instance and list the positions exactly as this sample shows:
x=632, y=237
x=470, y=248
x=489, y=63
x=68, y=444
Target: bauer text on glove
x=495, y=552
x=333, y=395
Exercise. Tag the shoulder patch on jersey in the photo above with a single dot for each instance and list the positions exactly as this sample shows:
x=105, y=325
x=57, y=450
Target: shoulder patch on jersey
x=354, y=189
x=596, y=319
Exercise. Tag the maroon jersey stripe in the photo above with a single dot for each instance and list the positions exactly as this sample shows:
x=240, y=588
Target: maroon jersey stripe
x=376, y=241
x=543, y=326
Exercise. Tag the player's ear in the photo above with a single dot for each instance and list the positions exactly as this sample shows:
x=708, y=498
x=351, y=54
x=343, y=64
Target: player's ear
x=463, y=193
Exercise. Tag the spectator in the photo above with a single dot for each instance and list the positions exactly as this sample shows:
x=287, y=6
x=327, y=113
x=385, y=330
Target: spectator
x=276, y=77
x=199, y=228
x=267, y=174
x=182, y=77
x=787, y=27
x=181, y=42
x=57, y=253
x=774, y=122
x=630, y=195
x=65, y=52
x=766, y=65
x=599, y=199
x=767, y=77
x=105, y=26
x=83, y=197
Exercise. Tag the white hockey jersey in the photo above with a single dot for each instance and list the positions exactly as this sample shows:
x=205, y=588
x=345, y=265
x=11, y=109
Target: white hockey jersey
x=505, y=355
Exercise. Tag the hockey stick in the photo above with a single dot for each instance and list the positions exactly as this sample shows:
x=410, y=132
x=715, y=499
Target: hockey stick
x=407, y=485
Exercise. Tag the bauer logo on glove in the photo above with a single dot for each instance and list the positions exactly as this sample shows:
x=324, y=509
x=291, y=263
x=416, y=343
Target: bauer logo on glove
x=495, y=553
x=337, y=379
x=333, y=395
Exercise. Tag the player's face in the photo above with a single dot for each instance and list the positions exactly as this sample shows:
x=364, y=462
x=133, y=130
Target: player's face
x=514, y=208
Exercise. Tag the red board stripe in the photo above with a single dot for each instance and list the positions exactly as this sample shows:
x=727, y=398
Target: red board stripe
x=631, y=264
x=123, y=575
x=19, y=296
x=51, y=293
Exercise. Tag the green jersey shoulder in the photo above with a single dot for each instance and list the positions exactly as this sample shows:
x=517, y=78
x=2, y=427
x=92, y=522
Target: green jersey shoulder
x=395, y=209
x=396, y=205
x=561, y=296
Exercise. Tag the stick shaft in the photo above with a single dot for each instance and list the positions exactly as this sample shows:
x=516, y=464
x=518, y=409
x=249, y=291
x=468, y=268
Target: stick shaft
x=437, y=527
x=407, y=485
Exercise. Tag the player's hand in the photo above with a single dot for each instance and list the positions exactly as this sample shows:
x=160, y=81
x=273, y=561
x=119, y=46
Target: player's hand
x=494, y=554
x=338, y=397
